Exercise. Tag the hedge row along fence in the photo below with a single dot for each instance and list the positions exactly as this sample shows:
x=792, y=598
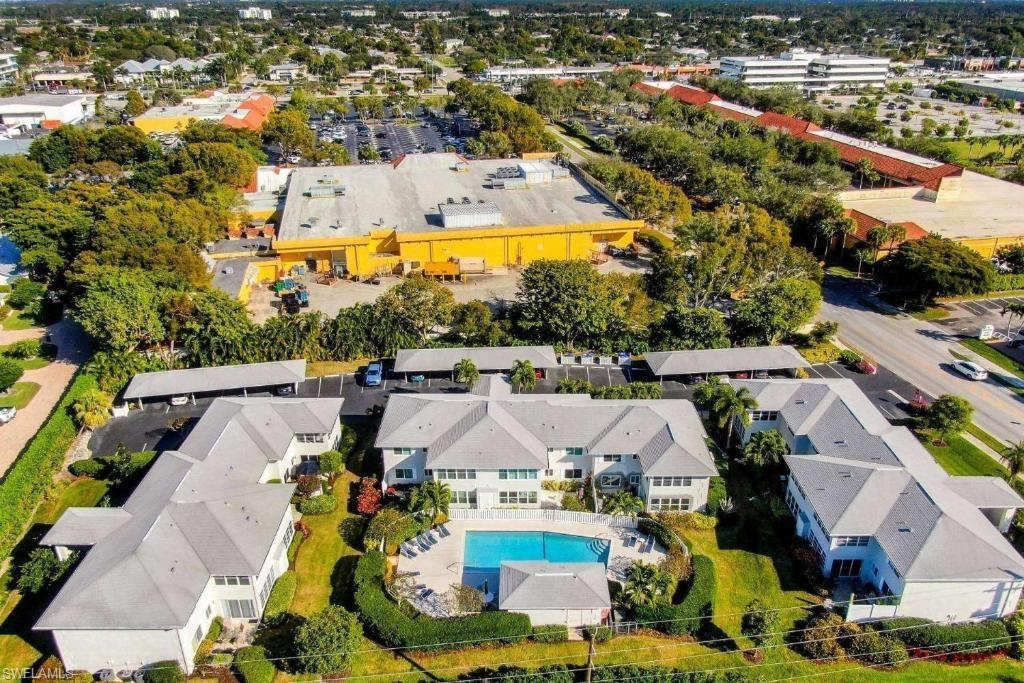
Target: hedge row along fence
x=694, y=611
x=31, y=476
x=935, y=637
x=393, y=626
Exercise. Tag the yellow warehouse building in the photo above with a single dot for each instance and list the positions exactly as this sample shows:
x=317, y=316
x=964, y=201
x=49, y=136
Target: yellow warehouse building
x=428, y=208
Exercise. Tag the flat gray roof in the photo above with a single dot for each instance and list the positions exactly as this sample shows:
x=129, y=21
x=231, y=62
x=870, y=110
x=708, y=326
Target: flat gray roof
x=229, y=274
x=485, y=358
x=405, y=196
x=548, y=585
x=223, y=378
x=737, y=359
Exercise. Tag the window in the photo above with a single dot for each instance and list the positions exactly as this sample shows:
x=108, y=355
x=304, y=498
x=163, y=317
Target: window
x=428, y=473
x=611, y=481
x=574, y=451
x=517, y=497
x=549, y=473
x=572, y=474
x=517, y=474
x=611, y=458
x=671, y=481
x=464, y=497
x=764, y=415
x=311, y=438
x=231, y=580
x=456, y=474
x=289, y=532
x=845, y=568
x=403, y=451
x=821, y=525
x=209, y=610
x=403, y=473
x=239, y=609
x=816, y=547
x=634, y=479
x=267, y=585
x=670, y=504
x=850, y=541
x=197, y=638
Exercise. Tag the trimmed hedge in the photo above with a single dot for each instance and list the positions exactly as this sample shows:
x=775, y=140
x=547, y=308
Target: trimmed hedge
x=392, y=625
x=948, y=637
x=252, y=665
x=693, y=612
x=553, y=633
x=1006, y=281
x=321, y=505
x=31, y=476
x=166, y=671
x=92, y=468
x=281, y=596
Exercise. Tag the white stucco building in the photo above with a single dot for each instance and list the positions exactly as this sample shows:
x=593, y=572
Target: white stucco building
x=8, y=67
x=807, y=70
x=40, y=109
x=255, y=13
x=205, y=534
x=495, y=449
x=573, y=594
x=158, y=13
x=879, y=511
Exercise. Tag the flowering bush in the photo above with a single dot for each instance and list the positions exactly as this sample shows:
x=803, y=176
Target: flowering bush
x=368, y=501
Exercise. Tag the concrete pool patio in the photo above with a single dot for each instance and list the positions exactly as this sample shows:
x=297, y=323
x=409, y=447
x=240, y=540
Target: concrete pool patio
x=438, y=568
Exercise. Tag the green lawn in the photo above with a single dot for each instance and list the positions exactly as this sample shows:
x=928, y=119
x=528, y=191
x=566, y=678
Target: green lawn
x=75, y=493
x=17, y=321
x=19, y=395
x=986, y=438
x=962, y=458
x=930, y=313
x=967, y=151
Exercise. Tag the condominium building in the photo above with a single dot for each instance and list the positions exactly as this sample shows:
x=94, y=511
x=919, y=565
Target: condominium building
x=496, y=449
x=880, y=514
x=255, y=13
x=806, y=70
x=158, y=13
x=8, y=67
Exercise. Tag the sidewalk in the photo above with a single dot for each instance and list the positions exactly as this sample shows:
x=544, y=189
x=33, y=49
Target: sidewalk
x=983, y=447
x=72, y=350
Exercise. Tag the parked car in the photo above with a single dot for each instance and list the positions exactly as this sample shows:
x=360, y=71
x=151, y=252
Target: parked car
x=294, y=159
x=7, y=414
x=178, y=400
x=286, y=390
x=970, y=370
x=374, y=374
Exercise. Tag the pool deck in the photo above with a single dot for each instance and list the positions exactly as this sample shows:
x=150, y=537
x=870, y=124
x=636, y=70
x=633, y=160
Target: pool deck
x=438, y=568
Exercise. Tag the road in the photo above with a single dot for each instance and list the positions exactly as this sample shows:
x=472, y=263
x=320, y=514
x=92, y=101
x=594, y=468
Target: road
x=920, y=352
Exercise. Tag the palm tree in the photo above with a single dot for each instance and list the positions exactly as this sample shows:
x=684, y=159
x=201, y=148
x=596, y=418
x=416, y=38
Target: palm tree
x=623, y=503
x=523, y=376
x=765, y=448
x=1013, y=309
x=866, y=170
x=467, y=373
x=92, y=409
x=862, y=254
x=1014, y=455
x=645, y=584
x=730, y=405
x=431, y=498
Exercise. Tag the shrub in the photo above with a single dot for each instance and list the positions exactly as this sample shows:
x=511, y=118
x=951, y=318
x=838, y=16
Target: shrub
x=26, y=348
x=716, y=493
x=280, y=599
x=875, y=648
x=810, y=567
x=5, y=311
x=694, y=611
x=324, y=643
x=657, y=242
x=167, y=671
x=91, y=467
x=848, y=357
x=42, y=570
x=252, y=665
x=369, y=500
x=392, y=625
x=948, y=637
x=331, y=463
x=821, y=636
x=10, y=372
x=24, y=292
x=1015, y=627
x=696, y=520
x=571, y=502
x=32, y=473
x=600, y=634
x=321, y=505
x=307, y=485
x=553, y=633
x=1007, y=281
x=395, y=526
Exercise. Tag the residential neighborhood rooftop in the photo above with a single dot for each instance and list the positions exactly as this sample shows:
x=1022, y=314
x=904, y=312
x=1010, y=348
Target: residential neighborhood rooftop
x=736, y=359
x=221, y=378
x=553, y=585
x=485, y=358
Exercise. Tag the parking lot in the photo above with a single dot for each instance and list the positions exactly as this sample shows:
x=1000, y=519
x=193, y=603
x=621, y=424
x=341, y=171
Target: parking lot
x=394, y=137
x=968, y=317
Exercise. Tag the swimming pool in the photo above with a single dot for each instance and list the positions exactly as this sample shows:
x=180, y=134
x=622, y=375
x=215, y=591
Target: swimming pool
x=486, y=550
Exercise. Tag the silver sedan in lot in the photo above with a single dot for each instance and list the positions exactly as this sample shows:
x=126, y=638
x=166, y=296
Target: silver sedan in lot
x=970, y=370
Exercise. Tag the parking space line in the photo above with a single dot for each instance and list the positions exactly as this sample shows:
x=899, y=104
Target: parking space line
x=898, y=397
x=341, y=385
x=319, y=386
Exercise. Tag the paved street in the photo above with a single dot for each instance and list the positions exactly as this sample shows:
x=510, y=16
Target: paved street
x=920, y=352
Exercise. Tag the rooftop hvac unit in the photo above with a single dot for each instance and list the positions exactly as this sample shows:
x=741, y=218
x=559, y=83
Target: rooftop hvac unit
x=514, y=184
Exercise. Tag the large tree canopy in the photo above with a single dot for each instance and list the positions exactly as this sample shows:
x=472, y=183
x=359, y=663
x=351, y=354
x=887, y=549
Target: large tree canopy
x=935, y=266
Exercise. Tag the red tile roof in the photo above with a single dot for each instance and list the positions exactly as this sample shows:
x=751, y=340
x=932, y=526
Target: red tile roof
x=892, y=167
x=863, y=223
x=256, y=110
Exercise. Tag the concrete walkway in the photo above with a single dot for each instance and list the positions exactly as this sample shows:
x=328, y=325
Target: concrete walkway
x=72, y=350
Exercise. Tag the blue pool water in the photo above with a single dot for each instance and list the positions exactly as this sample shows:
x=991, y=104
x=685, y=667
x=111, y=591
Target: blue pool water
x=485, y=550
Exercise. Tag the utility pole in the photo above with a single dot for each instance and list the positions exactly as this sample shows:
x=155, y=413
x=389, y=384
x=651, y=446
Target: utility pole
x=591, y=653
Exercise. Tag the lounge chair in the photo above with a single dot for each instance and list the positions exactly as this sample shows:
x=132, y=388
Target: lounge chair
x=407, y=550
x=650, y=544
x=630, y=540
x=443, y=530
x=403, y=552
x=422, y=543
x=431, y=538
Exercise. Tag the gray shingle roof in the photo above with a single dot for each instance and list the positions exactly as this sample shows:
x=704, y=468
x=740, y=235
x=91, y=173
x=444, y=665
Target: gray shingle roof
x=883, y=483
x=486, y=358
x=197, y=513
x=714, y=361
x=549, y=585
x=491, y=432
x=222, y=378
